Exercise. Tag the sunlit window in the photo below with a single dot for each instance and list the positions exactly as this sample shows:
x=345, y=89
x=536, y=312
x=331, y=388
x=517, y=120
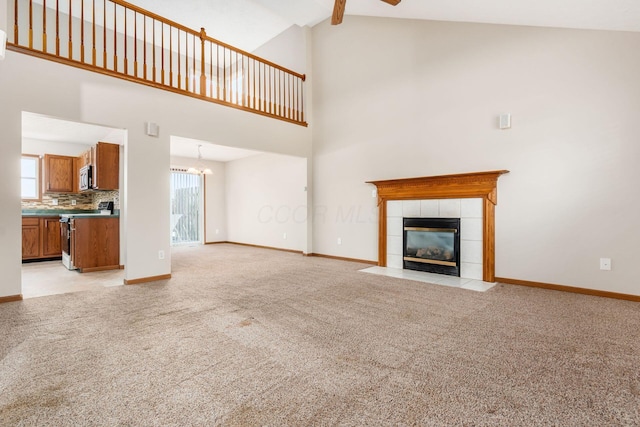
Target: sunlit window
x=30, y=177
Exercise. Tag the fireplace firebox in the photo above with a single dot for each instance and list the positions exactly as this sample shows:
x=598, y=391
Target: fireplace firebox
x=432, y=245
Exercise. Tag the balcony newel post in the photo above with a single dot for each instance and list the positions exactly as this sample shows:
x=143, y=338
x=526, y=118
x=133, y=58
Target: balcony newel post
x=203, y=77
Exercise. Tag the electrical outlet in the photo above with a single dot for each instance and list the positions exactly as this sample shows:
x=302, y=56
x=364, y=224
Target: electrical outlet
x=605, y=263
x=339, y=240
x=160, y=254
x=217, y=231
x=374, y=193
x=54, y=202
x=73, y=202
x=284, y=236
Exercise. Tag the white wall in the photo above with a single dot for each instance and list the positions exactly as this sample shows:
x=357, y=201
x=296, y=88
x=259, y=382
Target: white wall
x=404, y=98
x=79, y=95
x=287, y=49
x=216, y=203
x=266, y=198
x=215, y=197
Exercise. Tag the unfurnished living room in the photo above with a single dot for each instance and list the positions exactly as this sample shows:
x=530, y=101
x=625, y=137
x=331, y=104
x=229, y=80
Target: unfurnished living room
x=319, y=212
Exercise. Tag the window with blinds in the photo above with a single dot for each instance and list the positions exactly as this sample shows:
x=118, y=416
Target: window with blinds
x=186, y=207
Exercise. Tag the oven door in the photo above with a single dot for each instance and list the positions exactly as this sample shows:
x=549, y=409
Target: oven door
x=65, y=240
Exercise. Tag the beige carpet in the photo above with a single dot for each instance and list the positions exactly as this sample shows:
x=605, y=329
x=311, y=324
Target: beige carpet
x=251, y=337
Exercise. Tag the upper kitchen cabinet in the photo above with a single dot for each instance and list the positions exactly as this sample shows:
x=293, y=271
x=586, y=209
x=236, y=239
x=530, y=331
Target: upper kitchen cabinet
x=59, y=174
x=106, y=166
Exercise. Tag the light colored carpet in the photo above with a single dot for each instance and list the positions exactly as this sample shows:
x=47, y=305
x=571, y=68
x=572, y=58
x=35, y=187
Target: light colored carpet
x=247, y=337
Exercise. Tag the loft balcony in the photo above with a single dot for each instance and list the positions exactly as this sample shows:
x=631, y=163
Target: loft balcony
x=122, y=40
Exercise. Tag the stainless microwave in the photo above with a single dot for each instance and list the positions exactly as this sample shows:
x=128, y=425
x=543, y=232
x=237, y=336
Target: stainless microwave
x=85, y=179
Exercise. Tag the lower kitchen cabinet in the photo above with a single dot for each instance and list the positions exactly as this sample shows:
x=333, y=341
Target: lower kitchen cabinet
x=30, y=238
x=50, y=228
x=95, y=243
x=41, y=238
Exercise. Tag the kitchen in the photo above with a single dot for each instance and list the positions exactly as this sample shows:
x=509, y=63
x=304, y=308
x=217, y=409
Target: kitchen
x=71, y=179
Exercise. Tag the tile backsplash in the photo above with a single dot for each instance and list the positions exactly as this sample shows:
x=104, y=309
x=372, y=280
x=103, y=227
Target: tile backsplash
x=84, y=201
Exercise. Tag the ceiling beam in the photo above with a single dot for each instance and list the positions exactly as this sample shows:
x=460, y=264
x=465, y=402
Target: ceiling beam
x=338, y=12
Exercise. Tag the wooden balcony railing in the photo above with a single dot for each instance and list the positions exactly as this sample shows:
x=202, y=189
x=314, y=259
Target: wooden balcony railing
x=122, y=40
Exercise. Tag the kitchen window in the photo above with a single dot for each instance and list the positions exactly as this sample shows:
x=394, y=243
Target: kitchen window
x=30, y=167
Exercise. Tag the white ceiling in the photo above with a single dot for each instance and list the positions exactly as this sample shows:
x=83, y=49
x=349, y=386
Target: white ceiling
x=36, y=126
x=248, y=24
x=186, y=147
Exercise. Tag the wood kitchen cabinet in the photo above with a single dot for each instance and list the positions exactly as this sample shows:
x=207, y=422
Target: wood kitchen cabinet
x=30, y=238
x=95, y=243
x=41, y=238
x=51, y=239
x=106, y=166
x=59, y=174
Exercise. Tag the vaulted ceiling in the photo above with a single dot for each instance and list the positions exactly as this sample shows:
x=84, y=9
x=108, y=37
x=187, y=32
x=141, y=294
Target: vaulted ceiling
x=248, y=24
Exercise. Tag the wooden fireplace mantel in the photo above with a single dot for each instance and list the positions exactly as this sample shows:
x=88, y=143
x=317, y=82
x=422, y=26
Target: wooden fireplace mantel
x=467, y=185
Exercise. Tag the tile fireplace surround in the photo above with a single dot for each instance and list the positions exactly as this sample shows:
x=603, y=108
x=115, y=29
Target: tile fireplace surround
x=470, y=196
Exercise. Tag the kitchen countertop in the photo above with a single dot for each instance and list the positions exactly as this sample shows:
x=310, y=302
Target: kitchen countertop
x=77, y=213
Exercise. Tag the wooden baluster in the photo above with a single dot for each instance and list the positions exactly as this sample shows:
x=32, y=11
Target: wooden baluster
x=246, y=80
x=126, y=42
x=193, y=68
x=81, y=31
x=224, y=73
x=57, y=27
x=44, y=26
x=135, y=43
x=144, y=53
x=289, y=100
x=93, y=34
x=171, y=56
x=115, y=38
x=16, y=32
x=211, y=70
x=269, y=100
x=104, y=34
x=186, y=61
x=30, y=24
x=203, y=77
x=217, y=71
x=301, y=103
x=153, y=46
x=179, y=76
x=278, y=93
x=298, y=93
x=261, y=97
x=235, y=80
x=70, y=31
x=253, y=75
x=245, y=83
x=162, y=52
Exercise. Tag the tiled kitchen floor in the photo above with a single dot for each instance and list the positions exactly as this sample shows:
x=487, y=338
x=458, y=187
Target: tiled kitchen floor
x=437, y=279
x=51, y=277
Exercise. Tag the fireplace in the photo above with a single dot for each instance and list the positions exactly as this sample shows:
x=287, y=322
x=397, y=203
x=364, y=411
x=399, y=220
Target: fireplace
x=432, y=245
x=483, y=185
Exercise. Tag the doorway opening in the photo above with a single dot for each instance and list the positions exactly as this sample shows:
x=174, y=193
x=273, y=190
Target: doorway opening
x=187, y=201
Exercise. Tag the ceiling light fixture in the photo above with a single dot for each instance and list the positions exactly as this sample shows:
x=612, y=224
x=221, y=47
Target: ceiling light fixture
x=199, y=169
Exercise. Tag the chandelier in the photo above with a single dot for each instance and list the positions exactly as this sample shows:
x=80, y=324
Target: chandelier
x=199, y=168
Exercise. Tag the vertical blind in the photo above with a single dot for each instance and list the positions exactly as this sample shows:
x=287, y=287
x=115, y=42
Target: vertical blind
x=186, y=194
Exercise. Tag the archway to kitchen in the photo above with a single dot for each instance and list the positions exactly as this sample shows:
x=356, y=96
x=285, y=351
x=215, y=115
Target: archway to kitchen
x=52, y=149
